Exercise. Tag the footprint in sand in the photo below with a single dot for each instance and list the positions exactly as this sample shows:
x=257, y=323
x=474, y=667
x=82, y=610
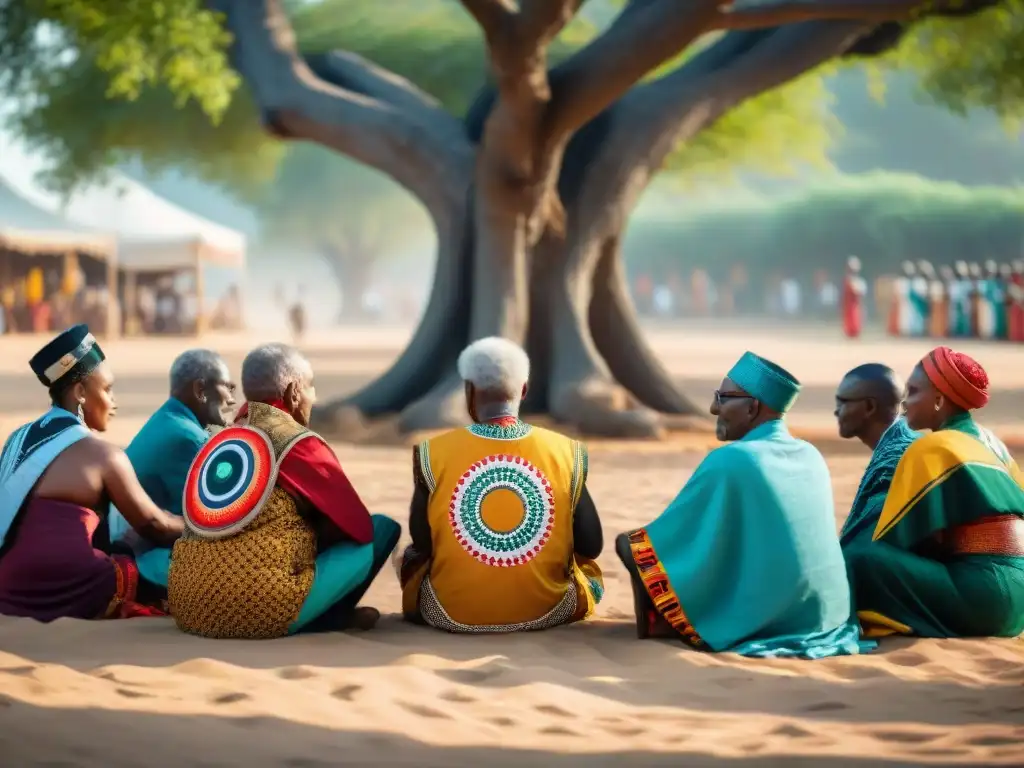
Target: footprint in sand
x=550, y=709
x=994, y=741
x=826, y=706
x=472, y=676
x=20, y=671
x=791, y=731
x=346, y=692
x=422, y=711
x=230, y=698
x=504, y=722
x=906, y=737
x=456, y=697
x=626, y=730
x=907, y=658
x=128, y=693
x=296, y=673
x=557, y=730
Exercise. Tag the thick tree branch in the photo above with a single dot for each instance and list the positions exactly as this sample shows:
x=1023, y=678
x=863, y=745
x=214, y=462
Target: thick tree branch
x=645, y=34
x=771, y=14
x=495, y=17
x=384, y=127
x=352, y=72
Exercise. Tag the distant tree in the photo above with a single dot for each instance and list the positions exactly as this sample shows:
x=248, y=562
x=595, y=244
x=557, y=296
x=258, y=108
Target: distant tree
x=883, y=218
x=350, y=215
x=531, y=191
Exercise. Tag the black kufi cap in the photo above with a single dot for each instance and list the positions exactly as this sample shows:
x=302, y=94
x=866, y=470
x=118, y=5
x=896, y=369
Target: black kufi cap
x=72, y=356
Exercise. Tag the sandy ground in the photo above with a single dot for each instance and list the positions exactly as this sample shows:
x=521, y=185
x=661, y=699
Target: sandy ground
x=138, y=693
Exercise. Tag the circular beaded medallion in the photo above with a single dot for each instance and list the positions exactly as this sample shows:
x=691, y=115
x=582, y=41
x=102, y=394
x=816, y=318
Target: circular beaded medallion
x=228, y=482
x=525, y=540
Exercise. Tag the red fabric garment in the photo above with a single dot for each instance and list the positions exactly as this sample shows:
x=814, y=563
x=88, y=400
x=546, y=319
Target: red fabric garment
x=1016, y=312
x=310, y=470
x=853, y=313
x=957, y=376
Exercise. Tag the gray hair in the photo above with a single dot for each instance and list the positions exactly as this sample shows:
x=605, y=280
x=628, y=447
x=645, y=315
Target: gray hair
x=496, y=367
x=270, y=368
x=196, y=365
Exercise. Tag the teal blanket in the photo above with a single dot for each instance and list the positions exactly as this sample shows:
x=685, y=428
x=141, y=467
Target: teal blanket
x=874, y=485
x=750, y=551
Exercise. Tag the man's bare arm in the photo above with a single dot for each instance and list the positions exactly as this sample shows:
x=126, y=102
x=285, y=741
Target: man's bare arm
x=124, y=490
x=587, y=534
x=419, y=523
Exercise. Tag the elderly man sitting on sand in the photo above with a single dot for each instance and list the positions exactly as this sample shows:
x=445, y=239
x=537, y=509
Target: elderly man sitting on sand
x=202, y=395
x=504, y=532
x=746, y=559
x=277, y=540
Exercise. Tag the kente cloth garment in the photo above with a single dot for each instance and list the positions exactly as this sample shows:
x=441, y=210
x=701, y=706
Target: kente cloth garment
x=874, y=485
x=27, y=454
x=746, y=558
x=50, y=569
x=502, y=499
x=248, y=562
x=161, y=454
x=947, y=556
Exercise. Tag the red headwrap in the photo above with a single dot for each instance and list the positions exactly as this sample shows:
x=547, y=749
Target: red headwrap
x=957, y=376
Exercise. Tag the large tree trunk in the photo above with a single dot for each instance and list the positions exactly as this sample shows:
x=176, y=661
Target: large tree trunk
x=517, y=258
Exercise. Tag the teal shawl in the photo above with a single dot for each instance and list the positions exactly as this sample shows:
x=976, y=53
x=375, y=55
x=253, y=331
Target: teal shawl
x=161, y=454
x=874, y=485
x=749, y=549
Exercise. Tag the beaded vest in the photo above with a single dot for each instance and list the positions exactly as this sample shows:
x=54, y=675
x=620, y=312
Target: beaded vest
x=250, y=582
x=501, y=520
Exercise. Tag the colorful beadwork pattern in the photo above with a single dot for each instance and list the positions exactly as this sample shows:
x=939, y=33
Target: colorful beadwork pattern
x=503, y=549
x=228, y=482
x=515, y=431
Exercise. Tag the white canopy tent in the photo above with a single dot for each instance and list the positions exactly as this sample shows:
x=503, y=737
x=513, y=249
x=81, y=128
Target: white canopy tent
x=154, y=235
x=28, y=231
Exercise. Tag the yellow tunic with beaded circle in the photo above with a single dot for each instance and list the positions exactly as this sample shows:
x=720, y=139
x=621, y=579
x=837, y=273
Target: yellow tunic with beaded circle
x=501, y=509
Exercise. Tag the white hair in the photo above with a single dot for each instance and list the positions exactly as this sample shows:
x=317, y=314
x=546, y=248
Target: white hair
x=495, y=365
x=196, y=365
x=270, y=368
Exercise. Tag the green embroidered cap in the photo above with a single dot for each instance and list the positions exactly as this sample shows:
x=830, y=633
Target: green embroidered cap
x=765, y=381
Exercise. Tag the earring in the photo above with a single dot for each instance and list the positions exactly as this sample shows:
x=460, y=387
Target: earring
x=81, y=413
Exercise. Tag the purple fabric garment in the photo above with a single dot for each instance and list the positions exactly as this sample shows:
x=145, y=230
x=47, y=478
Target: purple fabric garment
x=51, y=570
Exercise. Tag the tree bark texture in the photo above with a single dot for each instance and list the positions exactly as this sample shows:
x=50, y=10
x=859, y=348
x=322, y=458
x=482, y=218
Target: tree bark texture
x=531, y=193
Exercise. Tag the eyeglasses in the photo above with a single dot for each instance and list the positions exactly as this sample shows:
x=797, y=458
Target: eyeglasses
x=721, y=397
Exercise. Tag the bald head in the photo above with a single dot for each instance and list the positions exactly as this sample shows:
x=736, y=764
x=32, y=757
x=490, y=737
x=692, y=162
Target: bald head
x=878, y=381
x=868, y=402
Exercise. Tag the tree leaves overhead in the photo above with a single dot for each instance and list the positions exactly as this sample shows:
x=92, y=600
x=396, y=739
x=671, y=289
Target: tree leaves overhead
x=137, y=86
x=971, y=63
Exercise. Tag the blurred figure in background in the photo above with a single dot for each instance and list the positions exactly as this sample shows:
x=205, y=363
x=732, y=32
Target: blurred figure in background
x=919, y=297
x=938, y=296
x=854, y=289
x=960, y=301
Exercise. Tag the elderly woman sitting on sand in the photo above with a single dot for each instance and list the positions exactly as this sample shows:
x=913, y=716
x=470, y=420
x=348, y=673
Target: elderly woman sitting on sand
x=56, y=482
x=947, y=555
x=504, y=532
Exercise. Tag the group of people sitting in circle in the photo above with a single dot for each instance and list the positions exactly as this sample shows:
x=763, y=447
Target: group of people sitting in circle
x=241, y=523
